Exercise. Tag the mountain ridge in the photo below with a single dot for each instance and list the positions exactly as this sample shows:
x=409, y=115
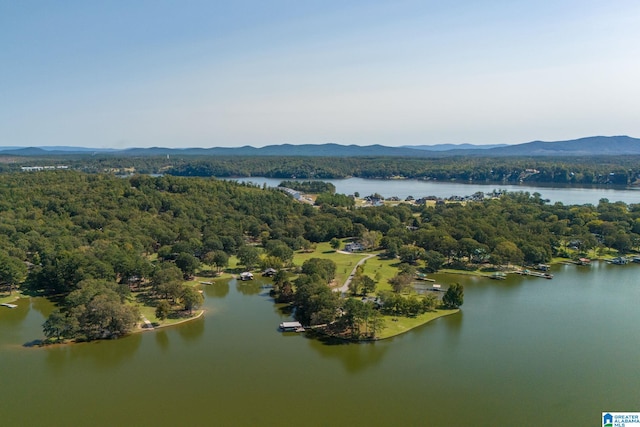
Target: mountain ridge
x=587, y=146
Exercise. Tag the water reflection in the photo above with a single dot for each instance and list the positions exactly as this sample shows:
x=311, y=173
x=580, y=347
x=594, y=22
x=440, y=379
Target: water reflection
x=453, y=327
x=355, y=357
x=15, y=316
x=191, y=330
x=283, y=310
x=162, y=339
x=102, y=354
x=44, y=306
x=219, y=289
x=249, y=287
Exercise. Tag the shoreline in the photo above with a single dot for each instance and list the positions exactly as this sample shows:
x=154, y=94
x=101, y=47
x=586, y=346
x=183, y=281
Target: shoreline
x=137, y=329
x=440, y=314
x=140, y=328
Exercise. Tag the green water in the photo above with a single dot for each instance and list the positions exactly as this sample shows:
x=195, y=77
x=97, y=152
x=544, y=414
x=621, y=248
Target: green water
x=524, y=351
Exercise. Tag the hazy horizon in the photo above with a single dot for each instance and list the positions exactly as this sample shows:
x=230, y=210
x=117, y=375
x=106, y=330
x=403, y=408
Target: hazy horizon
x=247, y=73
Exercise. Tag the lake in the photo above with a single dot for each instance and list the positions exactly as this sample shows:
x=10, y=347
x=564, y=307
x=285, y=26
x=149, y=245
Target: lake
x=417, y=188
x=524, y=351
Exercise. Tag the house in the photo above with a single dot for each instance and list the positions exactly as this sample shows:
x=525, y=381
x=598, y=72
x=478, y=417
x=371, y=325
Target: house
x=269, y=272
x=246, y=276
x=542, y=267
x=353, y=247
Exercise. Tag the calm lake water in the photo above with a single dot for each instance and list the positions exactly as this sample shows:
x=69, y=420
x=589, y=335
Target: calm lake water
x=417, y=189
x=524, y=351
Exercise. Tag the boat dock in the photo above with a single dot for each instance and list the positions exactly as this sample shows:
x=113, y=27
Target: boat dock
x=6, y=304
x=534, y=274
x=291, y=327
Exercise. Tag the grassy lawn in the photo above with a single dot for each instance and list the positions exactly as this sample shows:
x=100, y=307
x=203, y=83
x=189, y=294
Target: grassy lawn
x=5, y=297
x=381, y=270
x=344, y=262
x=404, y=324
x=150, y=313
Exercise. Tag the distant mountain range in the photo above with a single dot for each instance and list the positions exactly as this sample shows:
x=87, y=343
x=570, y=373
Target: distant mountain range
x=447, y=147
x=590, y=146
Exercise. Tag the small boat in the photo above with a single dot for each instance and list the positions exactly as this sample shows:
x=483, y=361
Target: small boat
x=6, y=304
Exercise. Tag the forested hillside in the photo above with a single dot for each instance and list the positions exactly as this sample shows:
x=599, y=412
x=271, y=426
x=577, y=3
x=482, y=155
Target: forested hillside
x=585, y=170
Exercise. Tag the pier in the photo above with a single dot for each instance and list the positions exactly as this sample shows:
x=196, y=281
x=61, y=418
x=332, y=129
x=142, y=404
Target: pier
x=534, y=274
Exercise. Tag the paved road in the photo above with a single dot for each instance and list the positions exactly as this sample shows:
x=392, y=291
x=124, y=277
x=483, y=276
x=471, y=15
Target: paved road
x=344, y=288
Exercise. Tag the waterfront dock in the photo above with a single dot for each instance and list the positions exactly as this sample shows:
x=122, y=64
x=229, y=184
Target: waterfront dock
x=534, y=274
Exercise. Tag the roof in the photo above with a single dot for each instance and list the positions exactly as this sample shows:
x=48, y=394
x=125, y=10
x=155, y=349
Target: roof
x=291, y=325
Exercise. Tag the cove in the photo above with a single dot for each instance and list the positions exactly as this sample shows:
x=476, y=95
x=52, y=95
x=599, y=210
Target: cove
x=523, y=351
x=568, y=195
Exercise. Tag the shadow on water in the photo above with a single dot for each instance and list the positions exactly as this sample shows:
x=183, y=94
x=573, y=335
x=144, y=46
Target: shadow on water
x=102, y=354
x=249, y=287
x=15, y=316
x=219, y=289
x=192, y=330
x=162, y=339
x=283, y=310
x=355, y=357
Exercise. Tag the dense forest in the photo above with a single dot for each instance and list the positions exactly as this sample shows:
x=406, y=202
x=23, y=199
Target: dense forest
x=570, y=170
x=91, y=239
x=602, y=170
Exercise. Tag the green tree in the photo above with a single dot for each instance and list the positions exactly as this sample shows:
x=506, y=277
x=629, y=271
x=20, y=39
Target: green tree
x=335, y=243
x=411, y=254
x=325, y=269
x=12, y=271
x=188, y=264
x=454, y=297
x=433, y=261
x=249, y=256
x=368, y=284
x=315, y=303
x=400, y=282
x=58, y=325
x=220, y=259
x=192, y=299
x=163, y=309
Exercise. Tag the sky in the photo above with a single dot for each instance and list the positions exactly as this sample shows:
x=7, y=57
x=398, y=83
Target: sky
x=158, y=73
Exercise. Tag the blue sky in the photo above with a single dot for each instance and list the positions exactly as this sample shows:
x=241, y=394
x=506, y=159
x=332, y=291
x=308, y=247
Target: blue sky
x=115, y=74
